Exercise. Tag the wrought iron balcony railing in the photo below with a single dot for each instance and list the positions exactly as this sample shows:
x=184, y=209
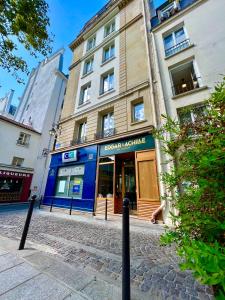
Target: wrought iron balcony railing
x=78, y=141
x=105, y=133
x=177, y=48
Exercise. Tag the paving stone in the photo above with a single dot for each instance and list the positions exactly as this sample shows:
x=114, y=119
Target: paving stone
x=8, y=261
x=40, y=287
x=100, y=290
x=15, y=276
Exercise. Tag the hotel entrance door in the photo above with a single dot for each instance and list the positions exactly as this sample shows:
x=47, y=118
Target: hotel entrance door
x=125, y=182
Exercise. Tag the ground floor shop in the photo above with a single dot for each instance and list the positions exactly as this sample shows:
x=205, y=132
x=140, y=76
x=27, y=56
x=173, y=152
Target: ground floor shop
x=127, y=168
x=14, y=186
x=71, y=179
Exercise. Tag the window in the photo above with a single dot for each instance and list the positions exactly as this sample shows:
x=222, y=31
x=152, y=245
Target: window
x=105, y=182
x=191, y=114
x=108, y=125
x=184, y=78
x=107, y=82
x=23, y=139
x=85, y=94
x=108, y=52
x=91, y=43
x=175, y=42
x=169, y=10
x=110, y=28
x=17, y=161
x=70, y=182
x=82, y=131
x=88, y=66
x=138, y=112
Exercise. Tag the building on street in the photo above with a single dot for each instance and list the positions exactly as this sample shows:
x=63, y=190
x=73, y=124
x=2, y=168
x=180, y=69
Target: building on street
x=107, y=118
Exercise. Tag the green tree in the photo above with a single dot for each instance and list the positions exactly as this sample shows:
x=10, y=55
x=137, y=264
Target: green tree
x=22, y=22
x=196, y=190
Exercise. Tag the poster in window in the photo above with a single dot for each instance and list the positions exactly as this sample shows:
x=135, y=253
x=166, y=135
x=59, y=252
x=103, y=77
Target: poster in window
x=76, y=186
x=62, y=185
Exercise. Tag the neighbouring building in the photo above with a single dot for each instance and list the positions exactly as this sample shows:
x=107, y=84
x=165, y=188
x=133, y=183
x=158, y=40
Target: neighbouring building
x=105, y=149
x=40, y=107
x=187, y=42
x=7, y=109
x=19, y=146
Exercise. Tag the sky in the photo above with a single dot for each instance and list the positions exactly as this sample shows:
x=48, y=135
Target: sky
x=67, y=17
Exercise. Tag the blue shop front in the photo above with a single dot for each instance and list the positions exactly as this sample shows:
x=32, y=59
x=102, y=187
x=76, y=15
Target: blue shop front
x=71, y=179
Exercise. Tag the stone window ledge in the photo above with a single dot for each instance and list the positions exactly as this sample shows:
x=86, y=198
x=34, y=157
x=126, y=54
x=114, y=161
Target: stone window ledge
x=138, y=122
x=107, y=61
x=107, y=93
x=172, y=55
x=205, y=87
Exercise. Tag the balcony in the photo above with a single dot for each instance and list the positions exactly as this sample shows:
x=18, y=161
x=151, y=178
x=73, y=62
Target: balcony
x=105, y=133
x=78, y=141
x=177, y=48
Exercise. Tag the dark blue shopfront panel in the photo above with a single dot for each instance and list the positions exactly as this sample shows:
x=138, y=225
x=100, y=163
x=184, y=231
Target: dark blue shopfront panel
x=86, y=156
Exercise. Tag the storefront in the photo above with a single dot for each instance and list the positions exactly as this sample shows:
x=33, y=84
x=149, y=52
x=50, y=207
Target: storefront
x=14, y=186
x=127, y=168
x=72, y=178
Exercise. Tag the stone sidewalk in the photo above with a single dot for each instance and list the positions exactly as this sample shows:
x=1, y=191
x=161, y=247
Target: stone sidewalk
x=83, y=254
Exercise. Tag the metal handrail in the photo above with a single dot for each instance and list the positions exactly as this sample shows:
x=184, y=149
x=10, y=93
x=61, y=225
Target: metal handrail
x=78, y=141
x=178, y=47
x=105, y=133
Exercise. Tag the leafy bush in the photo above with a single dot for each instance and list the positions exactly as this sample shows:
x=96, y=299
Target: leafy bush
x=196, y=190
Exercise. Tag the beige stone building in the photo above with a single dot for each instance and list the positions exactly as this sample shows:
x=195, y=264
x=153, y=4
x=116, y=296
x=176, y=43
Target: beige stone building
x=109, y=103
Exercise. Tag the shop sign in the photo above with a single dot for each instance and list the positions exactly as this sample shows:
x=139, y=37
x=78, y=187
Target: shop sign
x=13, y=174
x=129, y=145
x=71, y=171
x=69, y=156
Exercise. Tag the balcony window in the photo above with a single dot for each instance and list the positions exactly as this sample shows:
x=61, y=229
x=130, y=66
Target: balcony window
x=88, y=66
x=184, y=78
x=85, y=94
x=23, y=139
x=108, y=52
x=108, y=124
x=175, y=42
x=110, y=28
x=17, y=161
x=107, y=82
x=91, y=43
x=82, y=131
x=138, y=112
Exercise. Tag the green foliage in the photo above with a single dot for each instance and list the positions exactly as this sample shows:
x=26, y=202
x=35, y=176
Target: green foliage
x=22, y=22
x=197, y=191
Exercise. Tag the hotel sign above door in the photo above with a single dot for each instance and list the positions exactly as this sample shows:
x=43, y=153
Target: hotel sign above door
x=129, y=145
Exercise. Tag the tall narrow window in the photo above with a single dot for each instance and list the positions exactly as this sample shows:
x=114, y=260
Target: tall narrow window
x=108, y=52
x=107, y=82
x=91, y=43
x=110, y=28
x=85, y=94
x=88, y=66
x=108, y=128
x=176, y=41
x=82, y=131
x=138, y=112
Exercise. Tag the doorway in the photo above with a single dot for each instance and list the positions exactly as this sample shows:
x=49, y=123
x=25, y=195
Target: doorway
x=125, y=182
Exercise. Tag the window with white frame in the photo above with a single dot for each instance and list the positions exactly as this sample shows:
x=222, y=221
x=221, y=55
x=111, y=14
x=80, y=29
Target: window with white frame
x=85, y=93
x=23, y=139
x=88, y=66
x=91, y=43
x=188, y=115
x=184, y=78
x=138, y=114
x=82, y=131
x=17, y=161
x=108, y=127
x=107, y=82
x=110, y=28
x=176, y=41
x=108, y=52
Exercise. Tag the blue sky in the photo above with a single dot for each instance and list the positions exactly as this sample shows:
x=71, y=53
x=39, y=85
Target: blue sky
x=66, y=19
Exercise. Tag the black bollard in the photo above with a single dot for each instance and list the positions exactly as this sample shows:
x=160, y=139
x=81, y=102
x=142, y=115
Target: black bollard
x=106, y=209
x=27, y=223
x=126, y=252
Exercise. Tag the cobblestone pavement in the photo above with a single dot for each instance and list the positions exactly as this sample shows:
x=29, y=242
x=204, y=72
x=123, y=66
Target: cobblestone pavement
x=96, y=247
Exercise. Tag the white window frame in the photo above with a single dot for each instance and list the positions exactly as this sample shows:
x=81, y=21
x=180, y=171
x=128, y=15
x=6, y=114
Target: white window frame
x=88, y=61
x=24, y=139
x=104, y=77
x=172, y=32
x=84, y=88
x=82, y=131
x=108, y=48
x=91, y=43
x=112, y=28
x=106, y=132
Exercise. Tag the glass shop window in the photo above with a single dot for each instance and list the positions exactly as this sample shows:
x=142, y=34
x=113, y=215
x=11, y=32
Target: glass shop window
x=70, y=182
x=105, y=182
